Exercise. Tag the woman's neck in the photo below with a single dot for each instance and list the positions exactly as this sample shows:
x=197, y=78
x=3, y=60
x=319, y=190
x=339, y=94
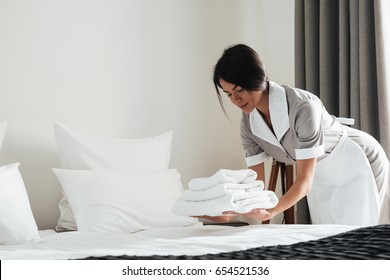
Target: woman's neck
x=263, y=108
x=263, y=105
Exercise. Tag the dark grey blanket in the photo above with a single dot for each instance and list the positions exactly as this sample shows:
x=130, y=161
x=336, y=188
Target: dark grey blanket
x=367, y=243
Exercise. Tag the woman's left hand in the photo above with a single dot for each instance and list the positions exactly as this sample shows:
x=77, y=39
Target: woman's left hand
x=257, y=214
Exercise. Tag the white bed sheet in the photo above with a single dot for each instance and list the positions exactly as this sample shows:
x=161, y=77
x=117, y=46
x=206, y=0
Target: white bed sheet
x=194, y=240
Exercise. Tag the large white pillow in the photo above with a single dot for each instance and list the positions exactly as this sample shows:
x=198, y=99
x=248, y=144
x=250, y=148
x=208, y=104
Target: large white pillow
x=3, y=126
x=17, y=223
x=116, y=201
x=80, y=151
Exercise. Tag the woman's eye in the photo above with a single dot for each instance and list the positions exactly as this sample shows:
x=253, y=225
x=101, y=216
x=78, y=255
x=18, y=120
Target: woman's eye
x=240, y=90
x=229, y=94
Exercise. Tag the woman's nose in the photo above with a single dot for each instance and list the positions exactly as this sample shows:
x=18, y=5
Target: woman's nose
x=236, y=97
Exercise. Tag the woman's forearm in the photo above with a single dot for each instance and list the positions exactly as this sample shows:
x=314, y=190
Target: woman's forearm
x=300, y=188
x=297, y=191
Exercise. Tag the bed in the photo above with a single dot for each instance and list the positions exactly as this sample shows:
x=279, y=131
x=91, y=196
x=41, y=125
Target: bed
x=203, y=242
x=117, y=198
x=367, y=243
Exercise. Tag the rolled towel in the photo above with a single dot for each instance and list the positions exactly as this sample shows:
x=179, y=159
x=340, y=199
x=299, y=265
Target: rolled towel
x=221, y=190
x=223, y=176
x=230, y=202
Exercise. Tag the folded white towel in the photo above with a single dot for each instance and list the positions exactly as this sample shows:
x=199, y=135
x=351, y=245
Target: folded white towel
x=264, y=199
x=221, y=190
x=240, y=202
x=223, y=176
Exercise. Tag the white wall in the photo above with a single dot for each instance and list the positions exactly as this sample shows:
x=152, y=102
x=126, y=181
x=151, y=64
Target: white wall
x=132, y=69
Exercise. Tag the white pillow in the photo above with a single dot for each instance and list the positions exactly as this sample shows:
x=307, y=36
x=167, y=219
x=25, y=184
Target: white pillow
x=115, y=201
x=3, y=126
x=17, y=224
x=79, y=151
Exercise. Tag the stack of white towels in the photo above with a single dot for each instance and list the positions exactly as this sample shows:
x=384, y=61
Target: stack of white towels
x=226, y=190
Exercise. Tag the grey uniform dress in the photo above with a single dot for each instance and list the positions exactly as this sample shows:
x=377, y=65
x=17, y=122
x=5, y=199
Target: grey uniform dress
x=303, y=129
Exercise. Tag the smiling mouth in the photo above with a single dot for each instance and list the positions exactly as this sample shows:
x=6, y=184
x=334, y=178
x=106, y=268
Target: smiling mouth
x=243, y=105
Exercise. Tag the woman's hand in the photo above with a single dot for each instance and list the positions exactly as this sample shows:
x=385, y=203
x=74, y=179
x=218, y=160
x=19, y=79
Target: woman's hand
x=218, y=219
x=257, y=214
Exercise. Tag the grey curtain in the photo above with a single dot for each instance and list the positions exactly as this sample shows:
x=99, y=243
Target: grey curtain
x=342, y=55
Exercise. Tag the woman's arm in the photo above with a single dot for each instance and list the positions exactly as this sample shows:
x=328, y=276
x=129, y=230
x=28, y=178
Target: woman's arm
x=300, y=188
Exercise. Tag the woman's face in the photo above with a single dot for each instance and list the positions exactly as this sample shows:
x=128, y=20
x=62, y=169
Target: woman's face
x=243, y=99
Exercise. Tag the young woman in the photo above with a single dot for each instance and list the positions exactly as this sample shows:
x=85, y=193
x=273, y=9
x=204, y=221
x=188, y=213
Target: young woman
x=343, y=172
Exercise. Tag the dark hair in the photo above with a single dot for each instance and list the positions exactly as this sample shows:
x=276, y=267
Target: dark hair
x=240, y=65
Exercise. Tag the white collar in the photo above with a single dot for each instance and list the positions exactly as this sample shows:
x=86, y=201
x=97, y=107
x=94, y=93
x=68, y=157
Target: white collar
x=279, y=117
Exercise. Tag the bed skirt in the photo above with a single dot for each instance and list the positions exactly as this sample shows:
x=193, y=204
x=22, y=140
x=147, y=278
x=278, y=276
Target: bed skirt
x=367, y=243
